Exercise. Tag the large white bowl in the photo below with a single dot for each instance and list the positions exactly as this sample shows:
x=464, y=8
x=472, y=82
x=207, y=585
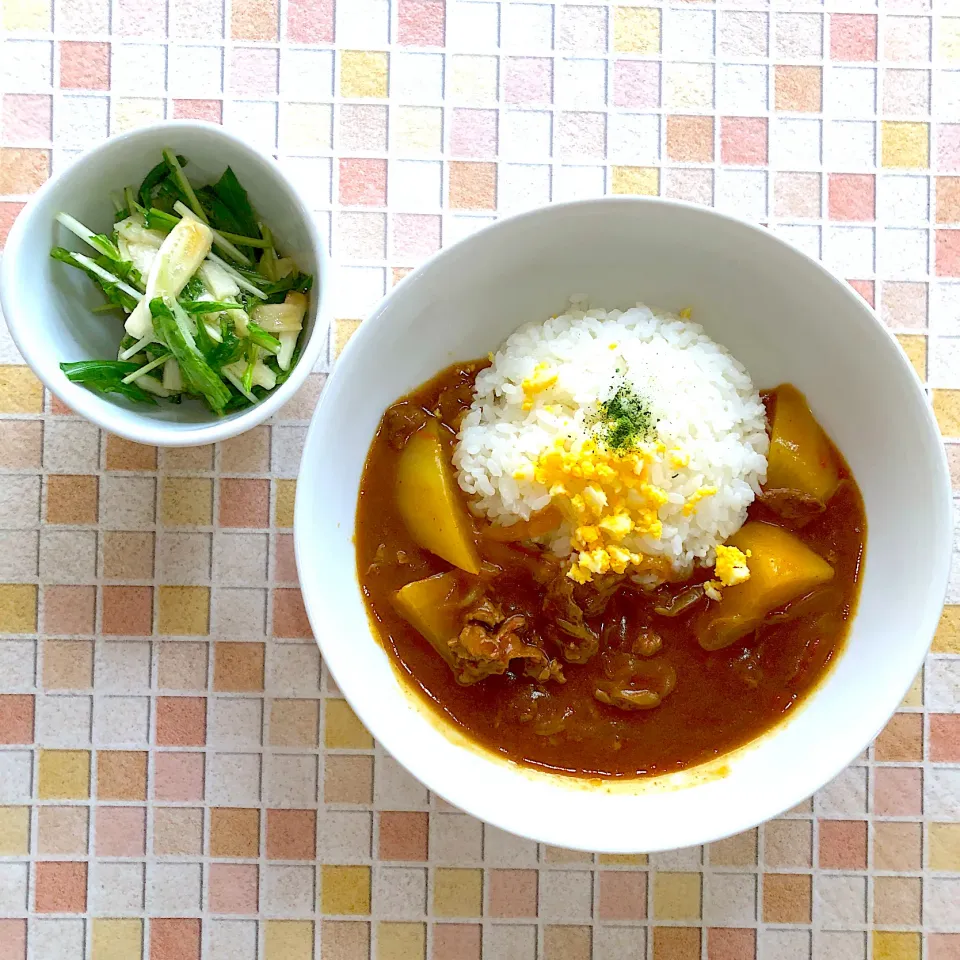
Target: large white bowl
x=47, y=303
x=787, y=319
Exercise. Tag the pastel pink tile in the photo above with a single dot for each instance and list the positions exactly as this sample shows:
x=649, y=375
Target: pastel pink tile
x=866, y=289
x=421, y=23
x=210, y=110
x=253, y=71
x=27, y=117
x=851, y=196
x=415, y=236
x=289, y=616
x=8, y=213
x=310, y=21
x=948, y=147
x=473, y=133
x=898, y=791
x=13, y=940
x=527, y=80
x=84, y=66
x=233, y=888
x=140, y=18
x=853, y=36
x=178, y=776
x=948, y=253
x=743, y=140
x=120, y=831
x=363, y=182
x=285, y=570
x=636, y=83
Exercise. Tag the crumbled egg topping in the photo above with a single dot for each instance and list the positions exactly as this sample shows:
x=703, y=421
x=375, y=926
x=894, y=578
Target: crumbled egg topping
x=541, y=379
x=731, y=568
x=605, y=497
x=690, y=507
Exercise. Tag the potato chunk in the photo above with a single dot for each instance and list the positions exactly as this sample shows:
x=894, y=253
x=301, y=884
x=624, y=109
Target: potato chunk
x=430, y=503
x=432, y=606
x=800, y=456
x=782, y=568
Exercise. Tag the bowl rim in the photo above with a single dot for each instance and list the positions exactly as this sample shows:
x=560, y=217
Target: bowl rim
x=130, y=423
x=461, y=795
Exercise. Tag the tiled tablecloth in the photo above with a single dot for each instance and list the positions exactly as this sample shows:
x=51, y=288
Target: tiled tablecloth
x=178, y=777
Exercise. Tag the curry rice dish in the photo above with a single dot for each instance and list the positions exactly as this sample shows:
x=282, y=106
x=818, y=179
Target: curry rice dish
x=602, y=552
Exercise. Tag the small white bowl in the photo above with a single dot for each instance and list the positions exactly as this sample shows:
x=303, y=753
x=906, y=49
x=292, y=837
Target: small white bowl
x=787, y=319
x=47, y=304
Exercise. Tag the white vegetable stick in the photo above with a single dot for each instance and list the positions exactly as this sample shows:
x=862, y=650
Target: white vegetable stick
x=241, y=281
x=95, y=267
x=172, y=378
x=222, y=242
x=146, y=368
x=152, y=385
x=135, y=348
x=238, y=383
x=85, y=234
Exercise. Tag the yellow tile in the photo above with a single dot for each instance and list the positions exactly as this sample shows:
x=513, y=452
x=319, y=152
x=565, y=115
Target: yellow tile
x=18, y=608
x=895, y=946
x=401, y=941
x=473, y=79
x=564, y=855
x=117, y=939
x=288, y=940
x=915, y=347
x=184, y=611
x=636, y=30
x=26, y=15
x=946, y=405
x=14, y=831
x=64, y=775
x=20, y=390
x=306, y=126
x=636, y=180
x=457, y=893
x=947, y=638
x=914, y=696
x=343, y=330
x=904, y=144
x=626, y=859
x=344, y=729
x=286, y=495
x=417, y=130
x=676, y=896
x=132, y=112
x=344, y=890
x=944, y=846
x=948, y=38
x=186, y=501
x=363, y=73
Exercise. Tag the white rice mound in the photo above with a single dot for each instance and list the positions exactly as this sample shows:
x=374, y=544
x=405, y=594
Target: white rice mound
x=701, y=398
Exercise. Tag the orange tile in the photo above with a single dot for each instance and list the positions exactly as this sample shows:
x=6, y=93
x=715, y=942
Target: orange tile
x=125, y=455
x=473, y=186
x=71, y=499
x=128, y=611
x=238, y=667
x=623, y=895
x=676, y=943
x=234, y=832
x=23, y=171
x=254, y=20
x=945, y=737
x=948, y=199
x=843, y=844
x=786, y=898
x=731, y=944
x=16, y=718
x=289, y=615
x=403, y=836
x=121, y=775
x=512, y=893
x=901, y=739
x=181, y=721
x=60, y=887
x=291, y=834
x=797, y=89
x=244, y=503
x=690, y=139
x=174, y=939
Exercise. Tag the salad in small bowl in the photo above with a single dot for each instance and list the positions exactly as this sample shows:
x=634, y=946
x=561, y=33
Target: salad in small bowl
x=202, y=290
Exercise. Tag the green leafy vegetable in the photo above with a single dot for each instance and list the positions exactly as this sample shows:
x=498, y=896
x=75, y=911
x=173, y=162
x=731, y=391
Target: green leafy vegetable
x=111, y=290
x=261, y=338
x=106, y=376
x=153, y=179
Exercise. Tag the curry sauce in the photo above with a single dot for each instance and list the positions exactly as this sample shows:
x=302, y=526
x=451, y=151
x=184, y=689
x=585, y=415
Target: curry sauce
x=555, y=714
